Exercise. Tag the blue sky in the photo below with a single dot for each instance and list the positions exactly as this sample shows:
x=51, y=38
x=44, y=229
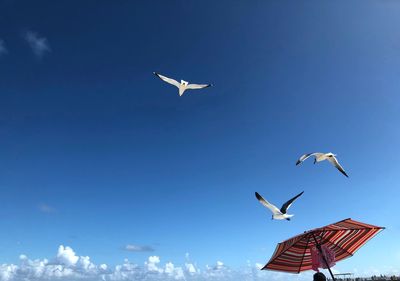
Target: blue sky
x=97, y=153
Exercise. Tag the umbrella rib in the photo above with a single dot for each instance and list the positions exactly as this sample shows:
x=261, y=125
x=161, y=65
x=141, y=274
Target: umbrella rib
x=330, y=242
x=274, y=258
x=305, y=250
x=336, y=245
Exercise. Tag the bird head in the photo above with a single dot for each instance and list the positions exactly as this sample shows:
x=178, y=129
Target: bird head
x=183, y=82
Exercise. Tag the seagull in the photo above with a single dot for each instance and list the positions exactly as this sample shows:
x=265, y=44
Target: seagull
x=321, y=157
x=276, y=213
x=183, y=85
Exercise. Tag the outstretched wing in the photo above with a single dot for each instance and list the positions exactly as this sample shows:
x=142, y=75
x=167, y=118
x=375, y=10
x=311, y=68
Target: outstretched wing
x=335, y=163
x=287, y=205
x=198, y=86
x=273, y=208
x=168, y=80
x=306, y=156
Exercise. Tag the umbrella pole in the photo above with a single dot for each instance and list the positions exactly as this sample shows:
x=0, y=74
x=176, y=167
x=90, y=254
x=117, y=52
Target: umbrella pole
x=323, y=257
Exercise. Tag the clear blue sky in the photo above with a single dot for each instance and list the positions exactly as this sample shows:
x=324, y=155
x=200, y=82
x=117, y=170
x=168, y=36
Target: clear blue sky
x=97, y=153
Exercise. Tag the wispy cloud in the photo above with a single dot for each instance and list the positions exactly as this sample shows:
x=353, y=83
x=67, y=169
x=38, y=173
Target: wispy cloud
x=3, y=49
x=138, y=248
x=46, y=208
x=39, y=45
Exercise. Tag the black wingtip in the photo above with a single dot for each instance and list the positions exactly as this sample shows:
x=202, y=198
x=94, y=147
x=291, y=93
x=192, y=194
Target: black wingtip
x=258, y=196
x=298, y=162
x=157, y=74
x=344, y=173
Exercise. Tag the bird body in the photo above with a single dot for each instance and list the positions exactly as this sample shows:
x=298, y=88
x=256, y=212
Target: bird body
x=183, y=85
x=281, y=217
x=321, y=157
x=278, y=214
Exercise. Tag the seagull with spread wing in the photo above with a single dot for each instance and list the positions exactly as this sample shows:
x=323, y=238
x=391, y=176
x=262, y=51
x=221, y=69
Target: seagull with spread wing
x=276, y=213
x=183, y=85
x=321, y=157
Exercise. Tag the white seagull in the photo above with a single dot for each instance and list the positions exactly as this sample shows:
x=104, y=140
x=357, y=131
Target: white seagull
x=183, y=85
x=276, y=213
x=321, y=157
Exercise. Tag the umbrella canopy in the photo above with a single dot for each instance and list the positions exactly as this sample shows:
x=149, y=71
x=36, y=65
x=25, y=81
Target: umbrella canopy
x=344, y=238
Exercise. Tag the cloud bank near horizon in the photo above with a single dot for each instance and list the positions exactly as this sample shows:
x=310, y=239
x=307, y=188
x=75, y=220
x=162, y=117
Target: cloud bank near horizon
x=67, y=265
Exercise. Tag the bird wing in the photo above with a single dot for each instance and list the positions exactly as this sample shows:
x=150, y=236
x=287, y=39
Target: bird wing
x=287, y=205
x=335, y=163
x=168, y=80
x=306, y=156
x=270, y=206
x=198, y=86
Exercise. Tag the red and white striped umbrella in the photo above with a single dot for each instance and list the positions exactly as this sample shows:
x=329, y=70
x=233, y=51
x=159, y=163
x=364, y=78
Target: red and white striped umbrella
x=344, y=238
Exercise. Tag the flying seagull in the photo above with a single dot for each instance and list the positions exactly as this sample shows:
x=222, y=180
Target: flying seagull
x=183, y=85
x=276, y=213
x=321, y=157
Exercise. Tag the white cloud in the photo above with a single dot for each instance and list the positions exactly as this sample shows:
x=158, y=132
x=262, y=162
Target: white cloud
x=219, y=265
x=39, y=45
x=7, y=272
x=138, y=248
x=152, y=264
x=68, y=266
x=190, y=268
x=174, y=272
x=3, y=49
x=66, y=256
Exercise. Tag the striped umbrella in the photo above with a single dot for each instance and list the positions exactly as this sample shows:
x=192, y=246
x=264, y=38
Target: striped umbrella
x=344, y=238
